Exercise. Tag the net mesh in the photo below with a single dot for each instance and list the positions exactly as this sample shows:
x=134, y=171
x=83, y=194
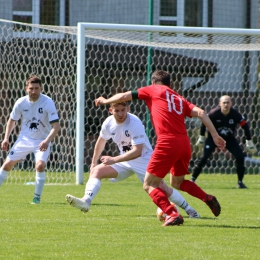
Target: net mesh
x=203, y=68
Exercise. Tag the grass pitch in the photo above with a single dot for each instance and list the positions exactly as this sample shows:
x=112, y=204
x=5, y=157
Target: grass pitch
x=122, y=223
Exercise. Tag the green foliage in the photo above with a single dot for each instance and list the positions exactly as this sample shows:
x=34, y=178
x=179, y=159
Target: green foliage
x=122, y=223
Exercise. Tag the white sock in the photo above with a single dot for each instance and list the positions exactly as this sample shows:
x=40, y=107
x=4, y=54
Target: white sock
x=3, y=176
x=92, y=188
x=39, y=183
x=178, y=199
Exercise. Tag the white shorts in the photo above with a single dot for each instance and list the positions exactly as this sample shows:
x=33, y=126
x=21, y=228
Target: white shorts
x=126, y=169
x=23, y=146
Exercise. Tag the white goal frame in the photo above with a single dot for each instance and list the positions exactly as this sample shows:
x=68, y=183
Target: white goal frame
x=82, y=27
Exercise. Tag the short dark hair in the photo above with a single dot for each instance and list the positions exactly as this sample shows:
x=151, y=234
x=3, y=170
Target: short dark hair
x=161, y=77
x=33, y=79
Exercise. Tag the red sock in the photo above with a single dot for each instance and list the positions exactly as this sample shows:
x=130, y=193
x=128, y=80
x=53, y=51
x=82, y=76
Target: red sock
x=161, y=200
x=193, y=189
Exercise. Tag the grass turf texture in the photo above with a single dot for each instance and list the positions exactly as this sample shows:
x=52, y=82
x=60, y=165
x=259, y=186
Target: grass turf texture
x=122, y=223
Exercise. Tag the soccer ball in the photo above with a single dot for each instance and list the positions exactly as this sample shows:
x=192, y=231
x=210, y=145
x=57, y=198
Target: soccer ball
x=161, y=215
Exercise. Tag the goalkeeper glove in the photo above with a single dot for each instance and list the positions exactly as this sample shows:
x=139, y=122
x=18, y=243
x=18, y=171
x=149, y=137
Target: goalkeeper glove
x=201, y=141
x=250, y=147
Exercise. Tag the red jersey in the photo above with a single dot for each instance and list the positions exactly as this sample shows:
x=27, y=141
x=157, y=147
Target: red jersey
x=167, y=108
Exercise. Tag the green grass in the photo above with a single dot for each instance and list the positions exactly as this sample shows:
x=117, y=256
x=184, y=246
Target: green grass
x=122, y=223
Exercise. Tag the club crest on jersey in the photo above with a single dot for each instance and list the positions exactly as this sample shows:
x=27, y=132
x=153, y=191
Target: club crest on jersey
x=34, y=126
x=231, y=121
x=126, y=148
x=126, y=133
x=223, y=132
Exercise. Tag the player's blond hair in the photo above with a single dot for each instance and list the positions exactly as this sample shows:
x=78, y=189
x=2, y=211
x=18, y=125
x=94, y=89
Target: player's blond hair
x=125, y=104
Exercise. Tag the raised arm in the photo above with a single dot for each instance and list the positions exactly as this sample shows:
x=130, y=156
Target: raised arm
x=120, y=97
x=200, y=113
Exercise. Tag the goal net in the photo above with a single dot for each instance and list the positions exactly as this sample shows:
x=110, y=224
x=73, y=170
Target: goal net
x=79, y=64
x=27, y=49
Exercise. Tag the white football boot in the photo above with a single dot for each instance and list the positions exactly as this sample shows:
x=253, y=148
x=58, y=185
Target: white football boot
x=78, y=203
x=193, y=213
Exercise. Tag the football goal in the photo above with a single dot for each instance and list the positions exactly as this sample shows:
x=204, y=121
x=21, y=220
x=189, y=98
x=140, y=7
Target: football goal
x=205, y=64
x=79, y=64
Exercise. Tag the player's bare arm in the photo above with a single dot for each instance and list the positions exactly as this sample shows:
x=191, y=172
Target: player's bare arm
x=54, y=131
x=200, y=113
x=134, y=153
x=99, y=147
x=9, y=128
x=120, y=97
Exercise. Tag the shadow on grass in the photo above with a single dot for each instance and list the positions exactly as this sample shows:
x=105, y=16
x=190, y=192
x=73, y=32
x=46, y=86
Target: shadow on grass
x=115, y=205
x=227, y=226
x=235, y=188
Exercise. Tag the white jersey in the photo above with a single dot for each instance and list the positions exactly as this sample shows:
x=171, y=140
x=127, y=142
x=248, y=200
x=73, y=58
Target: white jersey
x=36, y=116
x=125, y=135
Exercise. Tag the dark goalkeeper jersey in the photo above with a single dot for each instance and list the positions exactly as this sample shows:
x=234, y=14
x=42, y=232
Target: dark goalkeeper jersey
x=225, y=124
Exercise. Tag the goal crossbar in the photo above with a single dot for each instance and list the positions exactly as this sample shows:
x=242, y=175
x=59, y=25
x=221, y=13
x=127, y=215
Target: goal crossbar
x=175, y=29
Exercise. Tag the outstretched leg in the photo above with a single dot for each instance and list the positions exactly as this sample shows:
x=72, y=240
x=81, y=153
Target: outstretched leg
x=92, y=188
x=175, y=197
x=178, y=182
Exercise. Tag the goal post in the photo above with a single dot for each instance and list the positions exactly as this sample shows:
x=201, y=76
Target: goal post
x=80, y=104
x=194, y=49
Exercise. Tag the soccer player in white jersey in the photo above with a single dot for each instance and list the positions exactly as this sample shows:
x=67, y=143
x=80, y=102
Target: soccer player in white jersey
x=128, y=132
x=39, y=126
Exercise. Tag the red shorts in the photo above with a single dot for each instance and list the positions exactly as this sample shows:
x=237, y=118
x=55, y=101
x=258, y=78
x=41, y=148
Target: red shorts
x=171, y=154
